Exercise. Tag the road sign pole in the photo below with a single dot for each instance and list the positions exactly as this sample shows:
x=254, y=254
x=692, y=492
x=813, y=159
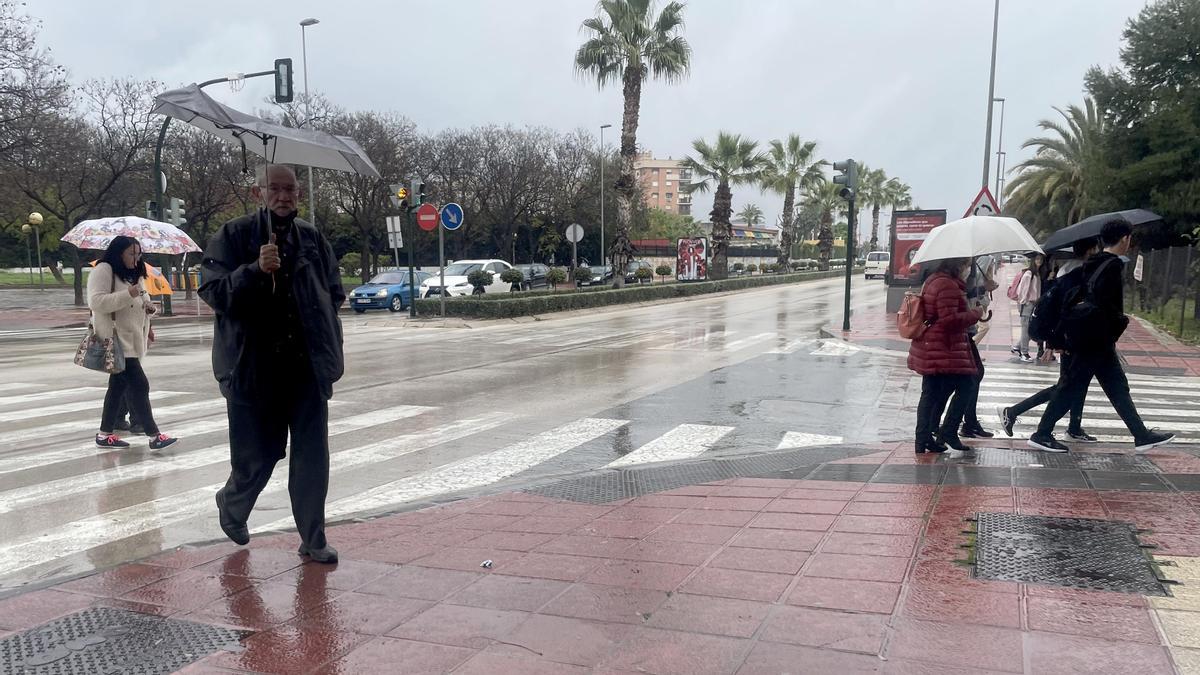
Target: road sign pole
x=442, y=268
x=412, y=274
x=574, y=258
x=849, y=263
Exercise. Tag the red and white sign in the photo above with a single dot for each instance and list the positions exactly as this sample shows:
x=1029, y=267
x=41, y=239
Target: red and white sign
x=691, y=262
x=427, y=217
x=983, y=205
x=909, y=230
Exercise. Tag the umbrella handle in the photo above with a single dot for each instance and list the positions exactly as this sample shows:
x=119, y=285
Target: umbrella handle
x=986, y=318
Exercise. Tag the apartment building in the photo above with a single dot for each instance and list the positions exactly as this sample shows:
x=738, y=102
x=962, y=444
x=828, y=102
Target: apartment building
x=662, y=182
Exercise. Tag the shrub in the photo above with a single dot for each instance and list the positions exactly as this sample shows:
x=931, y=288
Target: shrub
x=556, y=276
x=480, y=279
x=751, y=268
x=663, y=271
x=352, y=263
x=739, y=267
x=643, y=274
x=514, y=277
x=582, y=274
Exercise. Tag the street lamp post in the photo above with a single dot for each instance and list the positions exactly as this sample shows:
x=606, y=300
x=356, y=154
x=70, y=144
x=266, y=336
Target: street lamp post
x=1002, y=163
x=603, y=252
x=987, y=142
x=34, y=222
x=999, y=149
x=312, y=212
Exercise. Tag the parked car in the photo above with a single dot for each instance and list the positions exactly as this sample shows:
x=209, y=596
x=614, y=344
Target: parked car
x=389, y=290
x=601, y=275
x=456, y=278
x=535, y=276
x=632, y=268
x=877, y=264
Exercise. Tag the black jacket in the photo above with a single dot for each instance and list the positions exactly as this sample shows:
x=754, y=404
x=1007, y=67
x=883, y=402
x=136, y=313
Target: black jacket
x=238, y=293
x=1108, y=292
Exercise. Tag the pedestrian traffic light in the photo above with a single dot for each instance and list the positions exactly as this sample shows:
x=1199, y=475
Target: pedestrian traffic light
x=848, y=177
x=151, y=210
x=175, y=213
x=283, y=81
x=416, y=193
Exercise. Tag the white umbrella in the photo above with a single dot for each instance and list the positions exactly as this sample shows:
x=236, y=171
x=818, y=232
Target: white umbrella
x=975, y=236
x=153, y=236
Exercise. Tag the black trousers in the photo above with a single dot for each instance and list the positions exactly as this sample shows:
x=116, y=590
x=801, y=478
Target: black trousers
x=1106, y=368
x=123, y=409
x=966, y=410
x=935, y=392
x=1044, y=396
x=258, y=439
x=131, y=386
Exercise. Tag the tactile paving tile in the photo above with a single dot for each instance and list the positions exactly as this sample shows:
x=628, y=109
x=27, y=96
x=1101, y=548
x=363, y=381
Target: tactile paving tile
x=105, y=640
x=1100, y=555
x=1088, y=461
x=610, y=486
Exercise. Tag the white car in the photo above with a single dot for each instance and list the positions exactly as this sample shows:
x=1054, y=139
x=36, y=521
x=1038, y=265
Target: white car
x=877, y=264
x=456, y=278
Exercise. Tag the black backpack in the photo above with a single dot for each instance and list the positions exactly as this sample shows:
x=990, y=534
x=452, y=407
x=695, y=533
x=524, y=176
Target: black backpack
x=1085, y=325
x=1045, y=324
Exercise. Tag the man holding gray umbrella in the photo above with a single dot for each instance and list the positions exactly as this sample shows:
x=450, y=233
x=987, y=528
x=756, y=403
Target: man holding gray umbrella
x=273, y=283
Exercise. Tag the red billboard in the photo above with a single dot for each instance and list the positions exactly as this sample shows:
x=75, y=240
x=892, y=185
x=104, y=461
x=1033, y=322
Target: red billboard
x=909, y=229
x=691, y=263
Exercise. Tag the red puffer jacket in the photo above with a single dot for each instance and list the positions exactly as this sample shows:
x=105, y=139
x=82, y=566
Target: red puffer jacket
x=943, y=349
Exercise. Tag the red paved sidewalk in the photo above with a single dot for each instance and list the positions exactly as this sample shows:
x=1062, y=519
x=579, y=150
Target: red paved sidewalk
x=746, y=576
x=1141, y=345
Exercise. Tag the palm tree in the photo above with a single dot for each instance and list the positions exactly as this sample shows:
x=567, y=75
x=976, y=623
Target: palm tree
x=732, y=160
x=1060, y=179
x=626, y=44
x=871, y=192
x=751, y=214
x=825, y=196
x=789, y=165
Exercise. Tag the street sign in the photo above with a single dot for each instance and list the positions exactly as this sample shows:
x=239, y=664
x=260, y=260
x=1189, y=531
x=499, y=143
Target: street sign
x=574, y=233
x=427, y=217
x=395, y=236
x=983, y=205
x=452, y=216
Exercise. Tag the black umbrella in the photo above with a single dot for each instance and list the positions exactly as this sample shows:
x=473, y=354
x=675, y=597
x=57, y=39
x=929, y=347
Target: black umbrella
x=1089, y=228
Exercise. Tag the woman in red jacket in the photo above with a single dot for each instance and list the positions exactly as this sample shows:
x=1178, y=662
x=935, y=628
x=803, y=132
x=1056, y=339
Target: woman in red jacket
x=942, y=355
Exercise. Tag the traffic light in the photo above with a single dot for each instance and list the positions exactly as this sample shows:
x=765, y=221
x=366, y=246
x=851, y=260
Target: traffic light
x=283, y=81
x=175, y=212
x=151, y=210
x=416, y=193
x=399, y=196
x=848, y=177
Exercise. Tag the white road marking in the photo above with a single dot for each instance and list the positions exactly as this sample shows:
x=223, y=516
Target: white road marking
x=80, y=535
x=798, y=439
x=12, y=440
x=44, y=395
x=835, y=348
x=746, y=341
x=793, y=345
x=683, y=442
x=14, y=415
x=479, y=470
x=16, y=386
x=1031, y=387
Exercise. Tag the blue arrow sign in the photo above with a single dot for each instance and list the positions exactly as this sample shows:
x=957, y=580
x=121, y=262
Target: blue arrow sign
x=452, y=216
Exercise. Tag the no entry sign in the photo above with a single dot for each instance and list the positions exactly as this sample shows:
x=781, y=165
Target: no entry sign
x=427, y=217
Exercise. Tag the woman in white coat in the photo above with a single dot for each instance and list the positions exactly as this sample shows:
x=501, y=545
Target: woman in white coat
x=121, y=306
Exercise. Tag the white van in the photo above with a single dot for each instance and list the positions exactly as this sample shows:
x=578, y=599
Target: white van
x=877, y=264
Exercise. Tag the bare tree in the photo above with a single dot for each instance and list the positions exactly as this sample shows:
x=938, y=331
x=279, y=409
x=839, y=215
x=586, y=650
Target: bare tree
x=31, y=85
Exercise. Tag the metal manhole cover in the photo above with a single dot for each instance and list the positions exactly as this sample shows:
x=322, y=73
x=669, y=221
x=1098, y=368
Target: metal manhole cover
x=1088, y=461
x=105, y=640
x=1100, y=555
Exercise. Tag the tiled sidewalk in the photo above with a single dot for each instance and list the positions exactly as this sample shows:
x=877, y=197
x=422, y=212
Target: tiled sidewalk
x=748, y=576
x=1141, y=346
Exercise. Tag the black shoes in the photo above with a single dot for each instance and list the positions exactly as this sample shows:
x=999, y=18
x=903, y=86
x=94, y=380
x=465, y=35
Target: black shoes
x=975, y=432
x=236, y=532
x=122, y=425
x=1046, y=443
x=929, y=445
x=162, y=441
x=1081, y=436
x=1152, y=439
x=327, y=555
x=953, y=442
x=110, y=441
x=1006, y=420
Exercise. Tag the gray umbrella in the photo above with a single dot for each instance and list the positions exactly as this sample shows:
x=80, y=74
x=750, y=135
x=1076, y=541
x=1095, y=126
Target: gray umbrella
x=1089, y=228
x=274, y=142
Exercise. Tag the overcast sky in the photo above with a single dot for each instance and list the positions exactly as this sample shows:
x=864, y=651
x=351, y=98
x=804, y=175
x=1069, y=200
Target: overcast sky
x=901, y=84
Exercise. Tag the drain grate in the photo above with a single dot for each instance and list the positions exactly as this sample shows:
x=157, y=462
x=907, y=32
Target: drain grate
x=1099, y=555
x=1088, y=461
x=608, y=486
x=106, y=640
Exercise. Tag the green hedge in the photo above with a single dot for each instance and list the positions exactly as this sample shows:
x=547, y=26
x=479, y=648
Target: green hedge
x=505, y=305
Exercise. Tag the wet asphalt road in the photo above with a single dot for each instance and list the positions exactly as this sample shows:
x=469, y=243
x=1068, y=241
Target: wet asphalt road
x=428, y=412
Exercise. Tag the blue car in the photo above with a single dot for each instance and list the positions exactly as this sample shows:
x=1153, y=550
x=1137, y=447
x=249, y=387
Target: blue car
x=386, y=290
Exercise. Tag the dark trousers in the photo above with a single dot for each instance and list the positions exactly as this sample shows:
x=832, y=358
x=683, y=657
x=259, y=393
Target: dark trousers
x=123, y=409
x=1106, y=368
x=935, y=392
x=129, y=385
x=966, y=410
x=258, y=439
x=1046, y=394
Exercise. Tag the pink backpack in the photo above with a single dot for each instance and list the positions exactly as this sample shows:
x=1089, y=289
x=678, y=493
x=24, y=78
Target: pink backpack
x=910, y=319
x=1012, y=288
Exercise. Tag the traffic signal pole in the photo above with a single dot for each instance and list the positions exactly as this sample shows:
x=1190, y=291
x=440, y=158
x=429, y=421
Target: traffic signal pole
x=850, y=222
x=412, y=274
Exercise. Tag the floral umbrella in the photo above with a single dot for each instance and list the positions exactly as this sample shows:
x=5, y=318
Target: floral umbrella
x=154, y=236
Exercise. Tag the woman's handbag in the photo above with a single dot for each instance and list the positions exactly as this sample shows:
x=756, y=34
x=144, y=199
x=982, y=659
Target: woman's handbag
x=101, y=354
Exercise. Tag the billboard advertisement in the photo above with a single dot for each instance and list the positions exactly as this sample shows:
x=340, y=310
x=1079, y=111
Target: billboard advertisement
x=909, y=229
x=691, y=262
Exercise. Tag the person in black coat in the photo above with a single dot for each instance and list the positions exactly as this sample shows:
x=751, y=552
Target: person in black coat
x=275, y=287
x=1098, y=358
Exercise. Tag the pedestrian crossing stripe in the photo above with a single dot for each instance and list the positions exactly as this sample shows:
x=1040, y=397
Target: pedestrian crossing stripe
x=76, y=406
x=16, y=439
x=683, y=442
x=20, y=399
x=794, y=439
